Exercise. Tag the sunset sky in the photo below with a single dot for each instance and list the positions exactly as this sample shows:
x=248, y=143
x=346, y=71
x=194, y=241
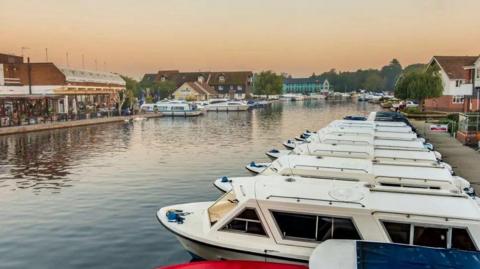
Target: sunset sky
x=295, y=36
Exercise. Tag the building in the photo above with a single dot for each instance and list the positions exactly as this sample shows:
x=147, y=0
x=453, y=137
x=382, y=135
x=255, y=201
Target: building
x=234, y=85
x=39, y=92
x=194, y=91
x=461, y=83
x=305, y=85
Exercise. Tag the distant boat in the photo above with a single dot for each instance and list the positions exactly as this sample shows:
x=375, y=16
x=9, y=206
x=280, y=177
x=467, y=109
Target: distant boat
x=226, y=105
x=173, y=108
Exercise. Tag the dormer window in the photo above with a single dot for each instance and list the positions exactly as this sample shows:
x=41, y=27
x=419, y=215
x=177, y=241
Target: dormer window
x=221, y=79
x=162, y=79
x=200, y=79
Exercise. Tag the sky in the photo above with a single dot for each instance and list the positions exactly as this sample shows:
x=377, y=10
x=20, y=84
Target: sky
x=299, y=37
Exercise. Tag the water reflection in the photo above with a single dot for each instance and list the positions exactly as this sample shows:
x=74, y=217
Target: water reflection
x=43, y=160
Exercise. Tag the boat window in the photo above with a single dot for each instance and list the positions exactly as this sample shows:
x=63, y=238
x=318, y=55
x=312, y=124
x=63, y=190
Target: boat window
x=222, y=207
x=296, y=225
x=344, y=229
x=247, y=222
x=318, y=228
x=461, y=240
x=430, y=237
x=398, y=232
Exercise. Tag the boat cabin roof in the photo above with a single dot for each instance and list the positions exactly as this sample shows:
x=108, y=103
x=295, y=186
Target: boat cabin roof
x=370, y=171
x=294, y=189
x=368, y=123
x=354, y=139
x=362, y=152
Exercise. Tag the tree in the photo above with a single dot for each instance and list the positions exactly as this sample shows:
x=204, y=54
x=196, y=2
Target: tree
x=126, y=96
x=162, y=89
x=268, y=83
x=374, y=82
x=391, y=73
x=419, y=85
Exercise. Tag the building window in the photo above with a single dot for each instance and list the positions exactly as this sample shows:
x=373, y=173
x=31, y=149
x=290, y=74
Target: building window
x=314, y=228
x=458, y=99
x=429, y=236
x=246, y=222
x=239, y=88
x=163, y=78
x=221, y=79
x=458, y=83
x=220, y=88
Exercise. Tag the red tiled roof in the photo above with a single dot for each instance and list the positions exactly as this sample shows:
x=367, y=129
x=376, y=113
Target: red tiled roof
x=454, y=66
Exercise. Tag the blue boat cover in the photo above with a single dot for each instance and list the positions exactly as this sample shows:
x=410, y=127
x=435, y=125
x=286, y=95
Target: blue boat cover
x=373, y=255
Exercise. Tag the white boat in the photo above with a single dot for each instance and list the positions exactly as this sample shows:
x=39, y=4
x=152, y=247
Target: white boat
x=287, y=217
x=226, y=105
x=378, y=154
x=349, y=139
x=388, y=170
x=256, y=168
x=173, y=108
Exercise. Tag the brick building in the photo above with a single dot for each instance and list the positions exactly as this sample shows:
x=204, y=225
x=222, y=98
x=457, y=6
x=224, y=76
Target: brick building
x=234, y=85
x=461, y=83
x=36, y=92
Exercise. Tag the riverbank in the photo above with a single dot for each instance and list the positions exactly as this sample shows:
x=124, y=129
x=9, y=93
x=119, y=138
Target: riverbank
x=464, y=160
x=69, y=124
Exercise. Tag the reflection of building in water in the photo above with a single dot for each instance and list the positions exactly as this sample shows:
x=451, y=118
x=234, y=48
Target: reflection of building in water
x=39, y=92
x=45, y=160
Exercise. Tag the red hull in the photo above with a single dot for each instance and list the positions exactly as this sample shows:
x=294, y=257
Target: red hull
x=234, y=265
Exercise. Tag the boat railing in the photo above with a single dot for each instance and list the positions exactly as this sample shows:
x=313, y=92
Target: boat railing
x=409, y=215
x=349, y=152
x=426, y=161
x=329, y=201
x=353, y=142
x=385, y=147
x=318, y=167
x=432, y=164
x=394, y=138
x=377, y=178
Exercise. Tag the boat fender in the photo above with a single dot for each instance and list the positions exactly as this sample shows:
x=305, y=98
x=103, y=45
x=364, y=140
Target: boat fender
x=175, y=216
x=225, y=179
x=470, y=191
x=274, y=151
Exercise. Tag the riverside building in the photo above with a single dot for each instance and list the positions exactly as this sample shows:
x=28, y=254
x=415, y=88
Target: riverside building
x=39, y=92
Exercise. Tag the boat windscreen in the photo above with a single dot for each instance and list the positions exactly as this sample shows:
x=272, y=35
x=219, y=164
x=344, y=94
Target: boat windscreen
x=222, y=207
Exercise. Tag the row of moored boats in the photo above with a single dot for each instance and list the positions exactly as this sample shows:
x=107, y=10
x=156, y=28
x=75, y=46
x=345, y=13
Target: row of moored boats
x=183, y=108
x=339, y=197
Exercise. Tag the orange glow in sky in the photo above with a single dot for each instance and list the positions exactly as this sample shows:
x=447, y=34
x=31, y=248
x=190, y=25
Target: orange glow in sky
x=296, y=36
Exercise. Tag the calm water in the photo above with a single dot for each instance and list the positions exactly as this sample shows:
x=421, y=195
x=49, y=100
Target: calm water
x=86, y=197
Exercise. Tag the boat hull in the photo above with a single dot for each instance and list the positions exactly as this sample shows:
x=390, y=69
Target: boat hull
x=182, y=113
x=211, y=252
x=227, y=108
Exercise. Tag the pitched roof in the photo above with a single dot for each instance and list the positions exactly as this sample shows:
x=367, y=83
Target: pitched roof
x=201, y=88
x=149, y=77
x=230, y=78
x=454, y=66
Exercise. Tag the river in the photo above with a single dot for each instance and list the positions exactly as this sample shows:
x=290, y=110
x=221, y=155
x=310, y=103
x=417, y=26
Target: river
x=86, y=197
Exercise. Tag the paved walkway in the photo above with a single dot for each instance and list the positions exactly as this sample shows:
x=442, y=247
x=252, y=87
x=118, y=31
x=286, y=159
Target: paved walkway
x=464, y=160
x=68, y=124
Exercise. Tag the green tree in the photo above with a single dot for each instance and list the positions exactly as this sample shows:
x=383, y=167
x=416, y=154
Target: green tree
x=419, y=85
x=268, y=83
x=391, y=73
x=374, y=82
x=126, y=97
x=164, y=89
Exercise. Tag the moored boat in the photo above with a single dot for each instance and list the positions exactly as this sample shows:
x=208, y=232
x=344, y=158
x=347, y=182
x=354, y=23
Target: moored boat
x=226, y=105
x=289, y=216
